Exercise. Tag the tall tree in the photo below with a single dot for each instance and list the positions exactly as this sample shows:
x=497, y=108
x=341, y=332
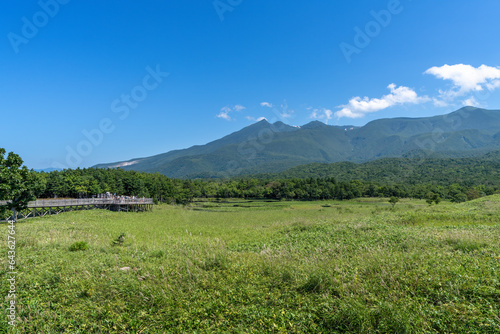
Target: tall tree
x=16, y=184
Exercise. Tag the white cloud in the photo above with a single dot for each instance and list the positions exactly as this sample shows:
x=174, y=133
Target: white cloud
x=493, y=85
x=358, y=107
x=239, y=107
x=328, y=113
x=224, y=112
x=266, y=104
x=466, y=78
x=321, y=113
x=471, y=101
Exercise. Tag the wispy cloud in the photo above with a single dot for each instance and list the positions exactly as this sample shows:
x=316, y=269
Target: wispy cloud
x=465, y=79
x=239, y=107
x=224, y=114
x=225, y=111
x=284, y=111
x=471, y=101
x=280, y=111
x=321, y=114
x=359, y=107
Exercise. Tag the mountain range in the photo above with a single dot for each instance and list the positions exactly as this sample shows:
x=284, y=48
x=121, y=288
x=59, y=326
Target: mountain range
x=264, y=147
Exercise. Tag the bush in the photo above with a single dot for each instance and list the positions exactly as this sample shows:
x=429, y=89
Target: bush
x=119, y=240
x=393, y=200
x=459, y=198
x=78, y=246
x=432, y=197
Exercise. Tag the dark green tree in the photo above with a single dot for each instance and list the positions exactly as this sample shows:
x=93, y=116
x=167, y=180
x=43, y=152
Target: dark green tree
x=393, y=200
x=16, y=184
x=459, y=198
x=432, y=197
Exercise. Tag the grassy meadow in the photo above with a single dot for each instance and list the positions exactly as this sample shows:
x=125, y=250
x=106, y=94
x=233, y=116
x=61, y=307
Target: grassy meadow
x=356, y=266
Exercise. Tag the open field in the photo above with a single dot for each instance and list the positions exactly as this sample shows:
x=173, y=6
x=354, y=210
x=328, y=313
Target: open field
x=254, y=266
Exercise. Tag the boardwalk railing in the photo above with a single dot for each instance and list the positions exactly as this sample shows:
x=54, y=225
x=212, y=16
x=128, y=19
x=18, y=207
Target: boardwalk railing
x=43, y=207
x=41, y=203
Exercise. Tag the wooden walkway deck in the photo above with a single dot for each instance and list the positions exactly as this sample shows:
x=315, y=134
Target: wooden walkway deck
x=43, y=207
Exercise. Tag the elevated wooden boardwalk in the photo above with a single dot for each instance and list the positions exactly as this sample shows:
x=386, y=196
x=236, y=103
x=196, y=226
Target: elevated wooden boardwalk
x=43, y=207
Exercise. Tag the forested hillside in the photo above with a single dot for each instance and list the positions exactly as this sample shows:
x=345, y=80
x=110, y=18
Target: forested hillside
x=443, y=171
x=454, y=179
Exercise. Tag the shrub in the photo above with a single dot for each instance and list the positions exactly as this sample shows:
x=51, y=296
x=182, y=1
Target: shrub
x=432, y=197
x=119, y=240
x=393, y=200
x=459, y=198
x=78, y=246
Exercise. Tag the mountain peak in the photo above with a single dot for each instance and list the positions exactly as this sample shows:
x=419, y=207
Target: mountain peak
x=467, y=108
x=282, y=127
x=313, y=125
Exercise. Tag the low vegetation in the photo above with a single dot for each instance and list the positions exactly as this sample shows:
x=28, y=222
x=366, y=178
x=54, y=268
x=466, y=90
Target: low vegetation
x=78, y=246
x=358, y=266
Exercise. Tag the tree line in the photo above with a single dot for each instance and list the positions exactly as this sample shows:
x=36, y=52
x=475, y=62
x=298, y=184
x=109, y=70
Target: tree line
x=472, y=180
x=83, y=183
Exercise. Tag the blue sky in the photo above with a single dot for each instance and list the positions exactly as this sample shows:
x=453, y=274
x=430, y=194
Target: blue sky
x=85, y=82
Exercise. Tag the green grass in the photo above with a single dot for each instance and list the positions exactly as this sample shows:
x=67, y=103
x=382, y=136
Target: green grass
x=257, y=266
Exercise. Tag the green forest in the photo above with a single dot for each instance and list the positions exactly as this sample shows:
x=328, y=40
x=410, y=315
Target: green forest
x=457, y=180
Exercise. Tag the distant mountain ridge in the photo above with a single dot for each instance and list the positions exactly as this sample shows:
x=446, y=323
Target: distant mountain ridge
x=263, y=147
